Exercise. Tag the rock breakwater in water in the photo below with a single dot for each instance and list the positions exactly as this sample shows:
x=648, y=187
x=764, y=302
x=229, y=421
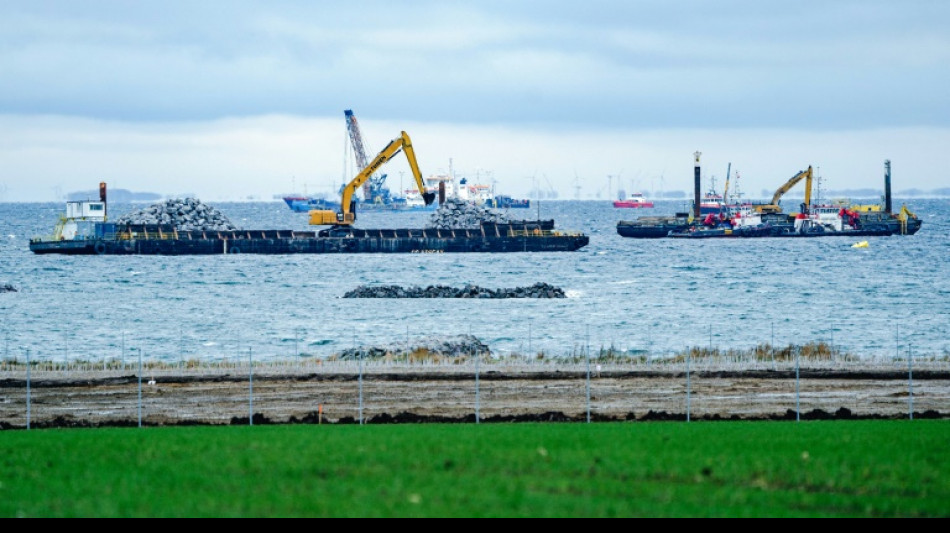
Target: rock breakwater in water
x=538, y=290
x=188, y=214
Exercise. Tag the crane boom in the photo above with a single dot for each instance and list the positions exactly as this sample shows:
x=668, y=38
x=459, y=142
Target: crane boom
x=347, y=214
x=725, y=192
x=774, y=207
x=372, y=187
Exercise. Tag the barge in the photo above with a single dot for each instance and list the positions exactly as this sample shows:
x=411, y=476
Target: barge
x=84, y=231
x=653, y=227
x=767, y=220
x=525, y=236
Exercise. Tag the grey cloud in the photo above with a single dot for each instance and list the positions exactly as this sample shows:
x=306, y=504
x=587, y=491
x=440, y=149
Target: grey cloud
x=639, y=64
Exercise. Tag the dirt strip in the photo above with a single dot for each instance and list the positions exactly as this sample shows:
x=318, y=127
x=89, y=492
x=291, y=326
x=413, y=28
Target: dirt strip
x=96, y=399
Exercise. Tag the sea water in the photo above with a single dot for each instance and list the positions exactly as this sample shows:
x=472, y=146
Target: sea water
x=652, y=297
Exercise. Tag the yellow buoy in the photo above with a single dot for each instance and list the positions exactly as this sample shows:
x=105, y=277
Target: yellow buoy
x=862, y=244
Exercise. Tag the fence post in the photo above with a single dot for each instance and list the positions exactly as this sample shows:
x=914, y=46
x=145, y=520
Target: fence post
x=28, y=391
x=361, y=386
x=529, y=338
x=832, y=342
x=897, y=339
x=478, y=416
x=250, y=366
x=772, y=351
x=797, y=394
x=588, y=374
x=910, y=380
x=140, y=386
x=688, y=385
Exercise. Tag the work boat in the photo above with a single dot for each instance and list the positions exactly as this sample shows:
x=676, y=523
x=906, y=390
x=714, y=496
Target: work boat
x=821, y=220
x=735, y=221
x=633, y=200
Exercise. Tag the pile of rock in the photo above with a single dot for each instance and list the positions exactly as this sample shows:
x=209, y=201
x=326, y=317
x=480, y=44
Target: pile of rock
x=6, y=287
x=187, y=214
x=460, y=214
x=460, y=346
x=538, y=290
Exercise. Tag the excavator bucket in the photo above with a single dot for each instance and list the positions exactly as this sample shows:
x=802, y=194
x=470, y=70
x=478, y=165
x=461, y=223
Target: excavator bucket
x=428, y=197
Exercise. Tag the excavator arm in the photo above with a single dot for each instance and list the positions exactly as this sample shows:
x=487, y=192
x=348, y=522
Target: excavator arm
x=773, y=207
x=347, y=215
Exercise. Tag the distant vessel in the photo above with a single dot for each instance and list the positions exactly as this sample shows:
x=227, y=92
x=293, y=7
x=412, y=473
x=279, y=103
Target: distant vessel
x=502, y=201
x=633, y=200
x=303, y=204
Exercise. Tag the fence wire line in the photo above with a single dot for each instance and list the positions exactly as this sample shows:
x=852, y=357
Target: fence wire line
x=702, y=391
x=890, y=340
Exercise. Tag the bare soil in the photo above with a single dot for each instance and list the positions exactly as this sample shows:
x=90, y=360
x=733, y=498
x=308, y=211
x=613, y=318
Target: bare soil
x=452, y=395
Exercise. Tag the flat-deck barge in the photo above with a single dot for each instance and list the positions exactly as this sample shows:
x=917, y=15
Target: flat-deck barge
x=112, y=239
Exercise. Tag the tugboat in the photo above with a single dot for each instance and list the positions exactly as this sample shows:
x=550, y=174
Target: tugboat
x=734, y=221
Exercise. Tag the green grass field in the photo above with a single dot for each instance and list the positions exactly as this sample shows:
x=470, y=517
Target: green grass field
x=718, y=469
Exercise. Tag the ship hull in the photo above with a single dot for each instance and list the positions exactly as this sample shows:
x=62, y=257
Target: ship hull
x=659, y=227
x=713, y=233
x=651, y=227
x=488, y=239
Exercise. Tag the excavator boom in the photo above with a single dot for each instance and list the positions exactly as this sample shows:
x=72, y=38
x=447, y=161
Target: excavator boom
x=347, y=214
x=773, y=207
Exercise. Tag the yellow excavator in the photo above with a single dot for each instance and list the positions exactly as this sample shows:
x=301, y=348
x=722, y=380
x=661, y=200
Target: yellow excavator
x=773, y=207
x=347, y=214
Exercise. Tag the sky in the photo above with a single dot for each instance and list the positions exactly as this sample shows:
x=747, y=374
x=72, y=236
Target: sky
x=238, y=99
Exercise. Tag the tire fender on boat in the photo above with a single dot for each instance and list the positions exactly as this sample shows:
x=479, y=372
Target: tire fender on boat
x=100, y=248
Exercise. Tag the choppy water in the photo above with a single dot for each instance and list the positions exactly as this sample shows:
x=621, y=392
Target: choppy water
x=652, y=295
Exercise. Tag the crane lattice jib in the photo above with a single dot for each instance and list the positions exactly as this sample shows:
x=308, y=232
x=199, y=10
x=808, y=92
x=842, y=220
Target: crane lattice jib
x=374, y=184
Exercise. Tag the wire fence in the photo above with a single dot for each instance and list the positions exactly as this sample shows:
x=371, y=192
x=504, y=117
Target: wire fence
x=791, y=383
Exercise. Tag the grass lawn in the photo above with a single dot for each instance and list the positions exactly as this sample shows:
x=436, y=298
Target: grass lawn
x=656, y=469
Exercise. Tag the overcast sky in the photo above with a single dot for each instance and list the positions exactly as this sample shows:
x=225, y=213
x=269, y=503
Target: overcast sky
x=230, y=99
